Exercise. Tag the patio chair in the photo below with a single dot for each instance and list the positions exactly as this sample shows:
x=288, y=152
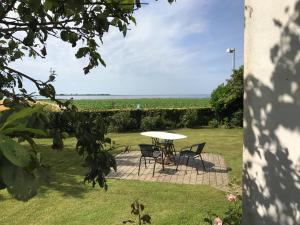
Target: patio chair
x=170, y=146
x=148, y=151
x=189, y=153
x=165, y=144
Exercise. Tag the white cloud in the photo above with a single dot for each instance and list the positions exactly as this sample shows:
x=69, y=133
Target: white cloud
x=154, y=58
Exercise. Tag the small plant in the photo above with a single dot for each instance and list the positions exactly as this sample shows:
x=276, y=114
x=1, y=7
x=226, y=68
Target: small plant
x=233, y=214
x=122, y=121
x=213, y=123
x=237, y=119
x=227, y=124
x=137, y=209
x=151, y=123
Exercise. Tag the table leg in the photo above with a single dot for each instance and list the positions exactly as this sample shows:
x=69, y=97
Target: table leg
x=163, y=159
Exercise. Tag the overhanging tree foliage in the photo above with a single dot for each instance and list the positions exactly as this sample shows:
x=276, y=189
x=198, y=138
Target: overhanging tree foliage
x=25, y=29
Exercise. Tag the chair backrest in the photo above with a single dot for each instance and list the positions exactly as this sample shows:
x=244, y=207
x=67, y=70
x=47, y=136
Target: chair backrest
x=155, y=141
x=168, y=142
x=146, y=150
x=200, y=148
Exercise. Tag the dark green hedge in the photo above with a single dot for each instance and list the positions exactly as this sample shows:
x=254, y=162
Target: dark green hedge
x=135, y=119
x=146, y=119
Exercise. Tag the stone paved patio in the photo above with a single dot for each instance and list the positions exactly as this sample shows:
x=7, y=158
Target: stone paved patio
x=215, y=174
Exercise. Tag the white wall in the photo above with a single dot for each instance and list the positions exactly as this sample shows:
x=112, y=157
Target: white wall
x=271, y=188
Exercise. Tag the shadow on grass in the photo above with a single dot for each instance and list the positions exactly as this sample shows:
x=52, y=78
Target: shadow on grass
x=66, y=173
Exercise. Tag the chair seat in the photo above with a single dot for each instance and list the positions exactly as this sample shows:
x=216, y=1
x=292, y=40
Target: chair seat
x=192, y=154
x=187, y=153
x=156, y=154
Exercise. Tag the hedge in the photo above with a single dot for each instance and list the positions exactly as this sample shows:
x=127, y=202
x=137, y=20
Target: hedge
x=123, y=120
x=136, y=119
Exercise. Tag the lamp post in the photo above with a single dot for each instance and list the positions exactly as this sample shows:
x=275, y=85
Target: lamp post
x=232, y=51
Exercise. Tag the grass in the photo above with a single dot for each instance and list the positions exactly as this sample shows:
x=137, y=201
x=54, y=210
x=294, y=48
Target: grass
x=67, y=201
x=145, y=103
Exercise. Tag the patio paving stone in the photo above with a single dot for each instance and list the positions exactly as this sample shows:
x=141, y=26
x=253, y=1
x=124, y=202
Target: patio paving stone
x=216, y=174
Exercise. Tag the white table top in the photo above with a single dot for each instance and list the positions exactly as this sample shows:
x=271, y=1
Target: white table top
x=163, y=135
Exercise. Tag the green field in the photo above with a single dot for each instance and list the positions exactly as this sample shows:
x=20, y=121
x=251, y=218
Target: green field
x=66, y=200
x=146, y=103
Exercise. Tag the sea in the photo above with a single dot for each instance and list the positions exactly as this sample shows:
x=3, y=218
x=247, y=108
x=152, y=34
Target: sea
x=90, y=96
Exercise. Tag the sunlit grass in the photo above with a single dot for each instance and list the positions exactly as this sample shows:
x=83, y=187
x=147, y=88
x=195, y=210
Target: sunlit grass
x=66, y=200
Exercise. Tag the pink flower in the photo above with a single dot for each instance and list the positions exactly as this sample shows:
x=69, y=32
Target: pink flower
x=231, y=198
x=217, y=221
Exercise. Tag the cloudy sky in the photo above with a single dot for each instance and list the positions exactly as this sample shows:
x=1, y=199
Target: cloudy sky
x=177, y=49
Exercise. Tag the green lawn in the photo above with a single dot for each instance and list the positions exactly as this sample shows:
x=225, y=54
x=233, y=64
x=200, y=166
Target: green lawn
x=145, y=103
x=66, y=200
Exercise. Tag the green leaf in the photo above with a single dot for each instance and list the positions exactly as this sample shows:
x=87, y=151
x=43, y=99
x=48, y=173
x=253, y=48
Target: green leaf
x=132, y=19
x=127, y=5
x=35, y=4
x=44, y=51
x=82, y=52
x=15, y=152
x=64, y=35
x=20, y=183
x=29, y=39
x=48, y=5
x=102, y=62
x=23, y=113
x=21, y=129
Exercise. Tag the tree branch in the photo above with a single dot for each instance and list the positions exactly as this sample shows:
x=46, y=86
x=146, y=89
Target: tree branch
x=36, y=82
x=12, y=4
x=39, y=24
x=36, y=52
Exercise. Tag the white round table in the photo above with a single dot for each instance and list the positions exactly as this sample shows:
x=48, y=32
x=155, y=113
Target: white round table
x=163, y=135
x=155, y=135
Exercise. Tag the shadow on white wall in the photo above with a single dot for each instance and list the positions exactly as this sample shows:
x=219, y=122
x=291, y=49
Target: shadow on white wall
x=276, y=200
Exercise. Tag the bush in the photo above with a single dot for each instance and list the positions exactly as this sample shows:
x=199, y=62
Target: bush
x=143, y=119
x=233, y=213
x=190, y=119
x=237, y=119
x=167, y=124
x=121, y=122
x=213, y=123
x=227, y=123
x=151, y=123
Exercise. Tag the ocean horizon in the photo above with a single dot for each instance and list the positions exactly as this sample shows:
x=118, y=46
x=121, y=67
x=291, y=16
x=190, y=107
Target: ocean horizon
x=106, y=96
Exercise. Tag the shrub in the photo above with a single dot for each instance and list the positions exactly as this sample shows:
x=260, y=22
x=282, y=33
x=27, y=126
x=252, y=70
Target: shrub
x=227, y=124
x=168, y=124
x=121, y=122
x=213, y=123
x=134, y=119
x=151, y=123
x=233, y=214
x=237, y=119
x=156, y=123
x=190, y=119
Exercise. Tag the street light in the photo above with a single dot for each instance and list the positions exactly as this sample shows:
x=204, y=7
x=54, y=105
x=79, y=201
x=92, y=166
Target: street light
x=232, y=51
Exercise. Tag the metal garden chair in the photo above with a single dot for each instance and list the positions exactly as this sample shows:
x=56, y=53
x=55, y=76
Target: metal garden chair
x=148, y=151
x=189, y=153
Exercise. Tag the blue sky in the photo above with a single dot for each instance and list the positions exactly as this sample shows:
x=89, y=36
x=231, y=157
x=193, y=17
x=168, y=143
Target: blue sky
x=175, y=49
